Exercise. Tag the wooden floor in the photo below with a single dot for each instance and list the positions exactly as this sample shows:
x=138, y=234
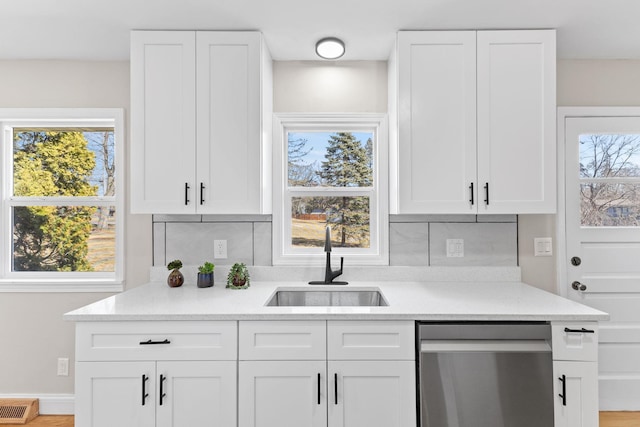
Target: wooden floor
x=607, y=419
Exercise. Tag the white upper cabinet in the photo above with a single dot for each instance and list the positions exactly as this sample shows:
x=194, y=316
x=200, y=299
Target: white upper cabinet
x=517, y=121
x=201, y=117
x=476, y=122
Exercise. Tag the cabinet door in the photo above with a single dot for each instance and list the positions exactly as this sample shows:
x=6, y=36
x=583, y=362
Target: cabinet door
x=372, y=393
x=437, y=122
x=196, y=394
x=517, y=121
x=111, y=394
x=578, y=383
x=282, y=394
x=229, y=122
x=163, y=122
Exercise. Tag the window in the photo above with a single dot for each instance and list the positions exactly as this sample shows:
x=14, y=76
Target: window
x=330, y=170
x=61, y=227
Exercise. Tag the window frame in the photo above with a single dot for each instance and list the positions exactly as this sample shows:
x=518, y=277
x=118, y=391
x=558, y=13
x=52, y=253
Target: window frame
x=282, y=251
x=11, y=281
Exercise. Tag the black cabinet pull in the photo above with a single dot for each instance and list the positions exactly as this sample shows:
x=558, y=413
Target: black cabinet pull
x=486, y=193
x=581, y=330
x=162, y=393
x=563, y=395
x=335, y=387
x=144, y=389
x=150, y=342
x=202, y=193
x=471, y=190
x=186, y=193
x=318, y=388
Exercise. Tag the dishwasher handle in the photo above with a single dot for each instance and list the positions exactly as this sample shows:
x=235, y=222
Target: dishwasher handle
x=494, y=346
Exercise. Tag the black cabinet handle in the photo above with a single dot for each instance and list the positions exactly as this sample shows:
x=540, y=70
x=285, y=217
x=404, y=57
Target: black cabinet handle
x=335, y=387
x=186, y=193
x=471, y=190
x=563, y=395
x=202, y=193
x=162, y=393
x=318, y=388
x=150, y=342
x=581, y=330
x=486, y=193
x=144, y=389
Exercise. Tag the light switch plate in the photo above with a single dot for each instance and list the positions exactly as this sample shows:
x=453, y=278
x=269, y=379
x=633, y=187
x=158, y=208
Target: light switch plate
x=542, y=246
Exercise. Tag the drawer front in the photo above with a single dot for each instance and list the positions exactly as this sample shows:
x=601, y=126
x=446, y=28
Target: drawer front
x=371, y=340
x=575, y=341
x=158, y=340
x=282, y=340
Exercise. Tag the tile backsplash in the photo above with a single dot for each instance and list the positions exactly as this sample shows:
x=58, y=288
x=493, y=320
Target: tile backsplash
x=414, y=240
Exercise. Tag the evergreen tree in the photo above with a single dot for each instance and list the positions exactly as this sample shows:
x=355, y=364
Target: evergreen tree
x=52, y=238
x=347, y=164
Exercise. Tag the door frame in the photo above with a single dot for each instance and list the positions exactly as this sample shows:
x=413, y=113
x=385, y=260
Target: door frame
x=563, y=114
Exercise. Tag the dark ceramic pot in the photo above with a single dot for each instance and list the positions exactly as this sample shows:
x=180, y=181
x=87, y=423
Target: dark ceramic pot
x=205, y=280
x=175, y=278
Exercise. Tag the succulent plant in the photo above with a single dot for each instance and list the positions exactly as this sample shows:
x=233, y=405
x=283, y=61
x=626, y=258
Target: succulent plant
x=176, y=263
x=206, y=268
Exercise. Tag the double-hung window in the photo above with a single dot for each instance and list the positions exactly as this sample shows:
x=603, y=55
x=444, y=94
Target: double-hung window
x=62, y=192
x=330, y=171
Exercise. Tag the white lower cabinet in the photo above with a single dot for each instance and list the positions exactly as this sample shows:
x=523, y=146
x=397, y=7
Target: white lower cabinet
x=156, y=374
x=328, y=385
x=372, y=393
x=282, y=394
x=575, y=371
x=163, y=394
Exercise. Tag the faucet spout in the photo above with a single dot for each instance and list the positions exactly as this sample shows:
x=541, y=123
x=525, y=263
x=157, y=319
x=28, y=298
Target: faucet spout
x=329, y=274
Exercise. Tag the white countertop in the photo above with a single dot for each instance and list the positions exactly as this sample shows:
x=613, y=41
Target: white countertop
x=473, y=301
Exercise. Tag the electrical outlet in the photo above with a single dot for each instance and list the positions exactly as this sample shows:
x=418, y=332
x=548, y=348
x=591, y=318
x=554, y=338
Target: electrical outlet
x=220, y=249
x=63, y=366
x=455, y=248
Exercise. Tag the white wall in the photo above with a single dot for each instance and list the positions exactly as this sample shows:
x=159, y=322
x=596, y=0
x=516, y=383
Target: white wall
x=33, y=334
x=580, y=83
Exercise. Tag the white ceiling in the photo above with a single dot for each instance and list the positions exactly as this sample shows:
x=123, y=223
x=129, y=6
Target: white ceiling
x=99, y=29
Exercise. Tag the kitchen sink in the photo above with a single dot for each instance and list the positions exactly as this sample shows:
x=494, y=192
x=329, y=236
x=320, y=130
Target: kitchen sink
x=327, y=298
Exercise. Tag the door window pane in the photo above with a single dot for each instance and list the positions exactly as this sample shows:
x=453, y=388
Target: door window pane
x=608, y=156
x=607, y=205
x=348, y=217
x=330, y=159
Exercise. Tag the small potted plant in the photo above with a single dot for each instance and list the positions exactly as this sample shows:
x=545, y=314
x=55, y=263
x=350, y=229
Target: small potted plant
x=238, y=277
x=175, y=278
x=205, y=275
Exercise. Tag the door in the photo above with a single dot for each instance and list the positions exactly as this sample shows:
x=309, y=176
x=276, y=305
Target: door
x=372, y=393
x=282, y=394
x=112, y=394
x=516, y=121
x=195, y=393
x=602, y=220
x=163, y=121
x=575, y=391
x=437, y=122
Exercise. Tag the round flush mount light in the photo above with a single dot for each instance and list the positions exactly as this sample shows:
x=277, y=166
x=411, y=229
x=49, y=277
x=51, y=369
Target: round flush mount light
x=330, y=48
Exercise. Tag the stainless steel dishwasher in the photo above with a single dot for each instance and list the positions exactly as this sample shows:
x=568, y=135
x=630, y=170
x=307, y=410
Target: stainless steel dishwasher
x=485, y=374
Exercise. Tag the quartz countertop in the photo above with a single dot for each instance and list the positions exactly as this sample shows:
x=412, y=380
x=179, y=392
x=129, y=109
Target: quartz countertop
x=409, y=300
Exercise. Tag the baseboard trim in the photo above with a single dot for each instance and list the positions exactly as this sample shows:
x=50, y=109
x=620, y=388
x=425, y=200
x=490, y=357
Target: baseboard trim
x=50, y=404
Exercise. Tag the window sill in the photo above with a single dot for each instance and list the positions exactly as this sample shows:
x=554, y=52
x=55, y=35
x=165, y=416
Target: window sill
x=79, y=286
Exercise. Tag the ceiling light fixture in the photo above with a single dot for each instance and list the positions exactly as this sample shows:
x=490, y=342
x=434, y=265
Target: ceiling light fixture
x=330, y=48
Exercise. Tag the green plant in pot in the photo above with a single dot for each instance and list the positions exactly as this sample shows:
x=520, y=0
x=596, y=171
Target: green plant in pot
x=238, y=277
x=205, y=275
x=175, y=278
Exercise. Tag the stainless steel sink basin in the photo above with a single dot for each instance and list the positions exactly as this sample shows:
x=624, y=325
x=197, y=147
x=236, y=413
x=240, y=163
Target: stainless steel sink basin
x=327, y=298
